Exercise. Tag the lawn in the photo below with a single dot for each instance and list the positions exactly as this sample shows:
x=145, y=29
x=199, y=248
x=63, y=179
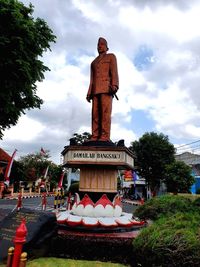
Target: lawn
x=56, y=262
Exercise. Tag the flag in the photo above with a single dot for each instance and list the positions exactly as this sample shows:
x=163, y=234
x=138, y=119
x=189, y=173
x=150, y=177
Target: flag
x=9, y=166
x=135, y=177
x=42, y=152
x=61, y=180
x=46, y=172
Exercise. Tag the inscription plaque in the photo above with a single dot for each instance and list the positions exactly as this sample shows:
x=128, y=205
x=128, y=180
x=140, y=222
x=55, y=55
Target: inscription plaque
x=40, y=225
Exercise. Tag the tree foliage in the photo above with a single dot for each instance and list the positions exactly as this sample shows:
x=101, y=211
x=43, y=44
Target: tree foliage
x=153, y=152
x=22, y=41
x=35, y=165
x=178, y=177
x=79, y=139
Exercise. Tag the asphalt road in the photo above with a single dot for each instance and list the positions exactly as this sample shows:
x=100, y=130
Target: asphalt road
x=36, y=204
x=29, y=203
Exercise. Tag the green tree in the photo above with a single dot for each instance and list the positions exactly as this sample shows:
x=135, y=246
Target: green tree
x=17, y=172
x=22, y=41
x=178, y=177
x=79, y=139
x=153, y=152
x=35, y=165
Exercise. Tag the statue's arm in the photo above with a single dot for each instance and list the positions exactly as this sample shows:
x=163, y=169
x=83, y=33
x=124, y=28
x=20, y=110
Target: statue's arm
x=89, y=93
x=114, y=74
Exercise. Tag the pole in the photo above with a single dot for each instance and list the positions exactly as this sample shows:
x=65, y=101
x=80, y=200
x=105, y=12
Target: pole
x=55, y=200
x=10, y=256
x=44, y=201
x=1, y=189
x=59, y=196
x=23, y=260
x=63, y=196
x=19, y=240
x=19, y=202
x=69, y=202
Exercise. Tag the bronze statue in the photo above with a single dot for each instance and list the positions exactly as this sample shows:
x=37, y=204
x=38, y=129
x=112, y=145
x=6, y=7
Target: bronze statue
x=103, y=87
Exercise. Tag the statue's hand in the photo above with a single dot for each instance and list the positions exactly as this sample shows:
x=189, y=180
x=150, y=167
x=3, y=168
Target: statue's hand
x=113, y=89
x=88, y=98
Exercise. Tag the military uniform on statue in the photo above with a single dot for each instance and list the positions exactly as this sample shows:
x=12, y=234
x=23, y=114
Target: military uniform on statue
x=104, y=84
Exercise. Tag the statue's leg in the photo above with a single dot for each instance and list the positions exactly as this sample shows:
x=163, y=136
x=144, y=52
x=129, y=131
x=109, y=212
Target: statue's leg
x=106, y=109
x=95, y=118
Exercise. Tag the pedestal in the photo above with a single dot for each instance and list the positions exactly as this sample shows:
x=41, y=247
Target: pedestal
x=93, y=179
x=98, y=206
x=99, y=165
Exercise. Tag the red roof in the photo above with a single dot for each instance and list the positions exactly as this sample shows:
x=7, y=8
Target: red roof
x=4, y=156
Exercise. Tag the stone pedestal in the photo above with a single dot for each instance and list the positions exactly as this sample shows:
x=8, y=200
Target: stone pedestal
x=93, y=179
x=98, y=206
x=98, y=165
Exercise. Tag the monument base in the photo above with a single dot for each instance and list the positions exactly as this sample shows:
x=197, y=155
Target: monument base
x=99, y=164
x=94, y=179
x=108, y=247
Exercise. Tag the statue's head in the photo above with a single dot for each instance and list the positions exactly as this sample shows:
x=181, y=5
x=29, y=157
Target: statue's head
x=102, y=45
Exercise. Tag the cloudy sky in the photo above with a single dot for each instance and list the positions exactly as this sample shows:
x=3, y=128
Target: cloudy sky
x=157, y=45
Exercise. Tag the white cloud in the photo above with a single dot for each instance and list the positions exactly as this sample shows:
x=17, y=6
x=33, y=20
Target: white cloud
x=26, y=130
x=167, y=91
x=120, y=132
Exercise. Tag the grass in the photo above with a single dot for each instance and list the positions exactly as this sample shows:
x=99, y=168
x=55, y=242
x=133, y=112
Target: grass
x=57, y=262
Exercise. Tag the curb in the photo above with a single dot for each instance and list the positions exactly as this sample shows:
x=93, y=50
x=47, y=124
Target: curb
x=131, y=202
x=49, y=195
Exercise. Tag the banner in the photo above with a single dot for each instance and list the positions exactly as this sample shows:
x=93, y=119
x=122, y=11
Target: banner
x=46, y=172
x=60, y=184
x=42, y=152
x=9, y=166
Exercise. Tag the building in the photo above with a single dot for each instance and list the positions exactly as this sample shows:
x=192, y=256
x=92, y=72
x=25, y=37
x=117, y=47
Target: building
x=192, y=160
x=133, y=186
x=4, y=159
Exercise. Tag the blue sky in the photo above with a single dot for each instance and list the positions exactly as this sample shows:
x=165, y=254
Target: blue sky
x=144, y=58
x=157, y=45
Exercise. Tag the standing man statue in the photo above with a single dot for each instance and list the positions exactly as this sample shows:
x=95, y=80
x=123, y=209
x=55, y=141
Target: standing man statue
x=103, y=86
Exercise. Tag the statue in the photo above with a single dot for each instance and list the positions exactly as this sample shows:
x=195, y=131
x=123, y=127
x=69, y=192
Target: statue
x=103, y=87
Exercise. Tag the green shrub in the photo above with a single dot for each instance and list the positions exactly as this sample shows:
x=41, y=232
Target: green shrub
x=196, y=202
x=198, y=191
x=163, y=205
x=170, y=241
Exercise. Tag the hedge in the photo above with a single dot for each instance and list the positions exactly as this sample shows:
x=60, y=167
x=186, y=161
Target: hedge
x=170, y=241
x=163, y=205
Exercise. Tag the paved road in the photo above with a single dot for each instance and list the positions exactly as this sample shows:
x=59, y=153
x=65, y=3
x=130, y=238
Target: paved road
x=36, y=204
x=128, y=207
x=30, y=203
